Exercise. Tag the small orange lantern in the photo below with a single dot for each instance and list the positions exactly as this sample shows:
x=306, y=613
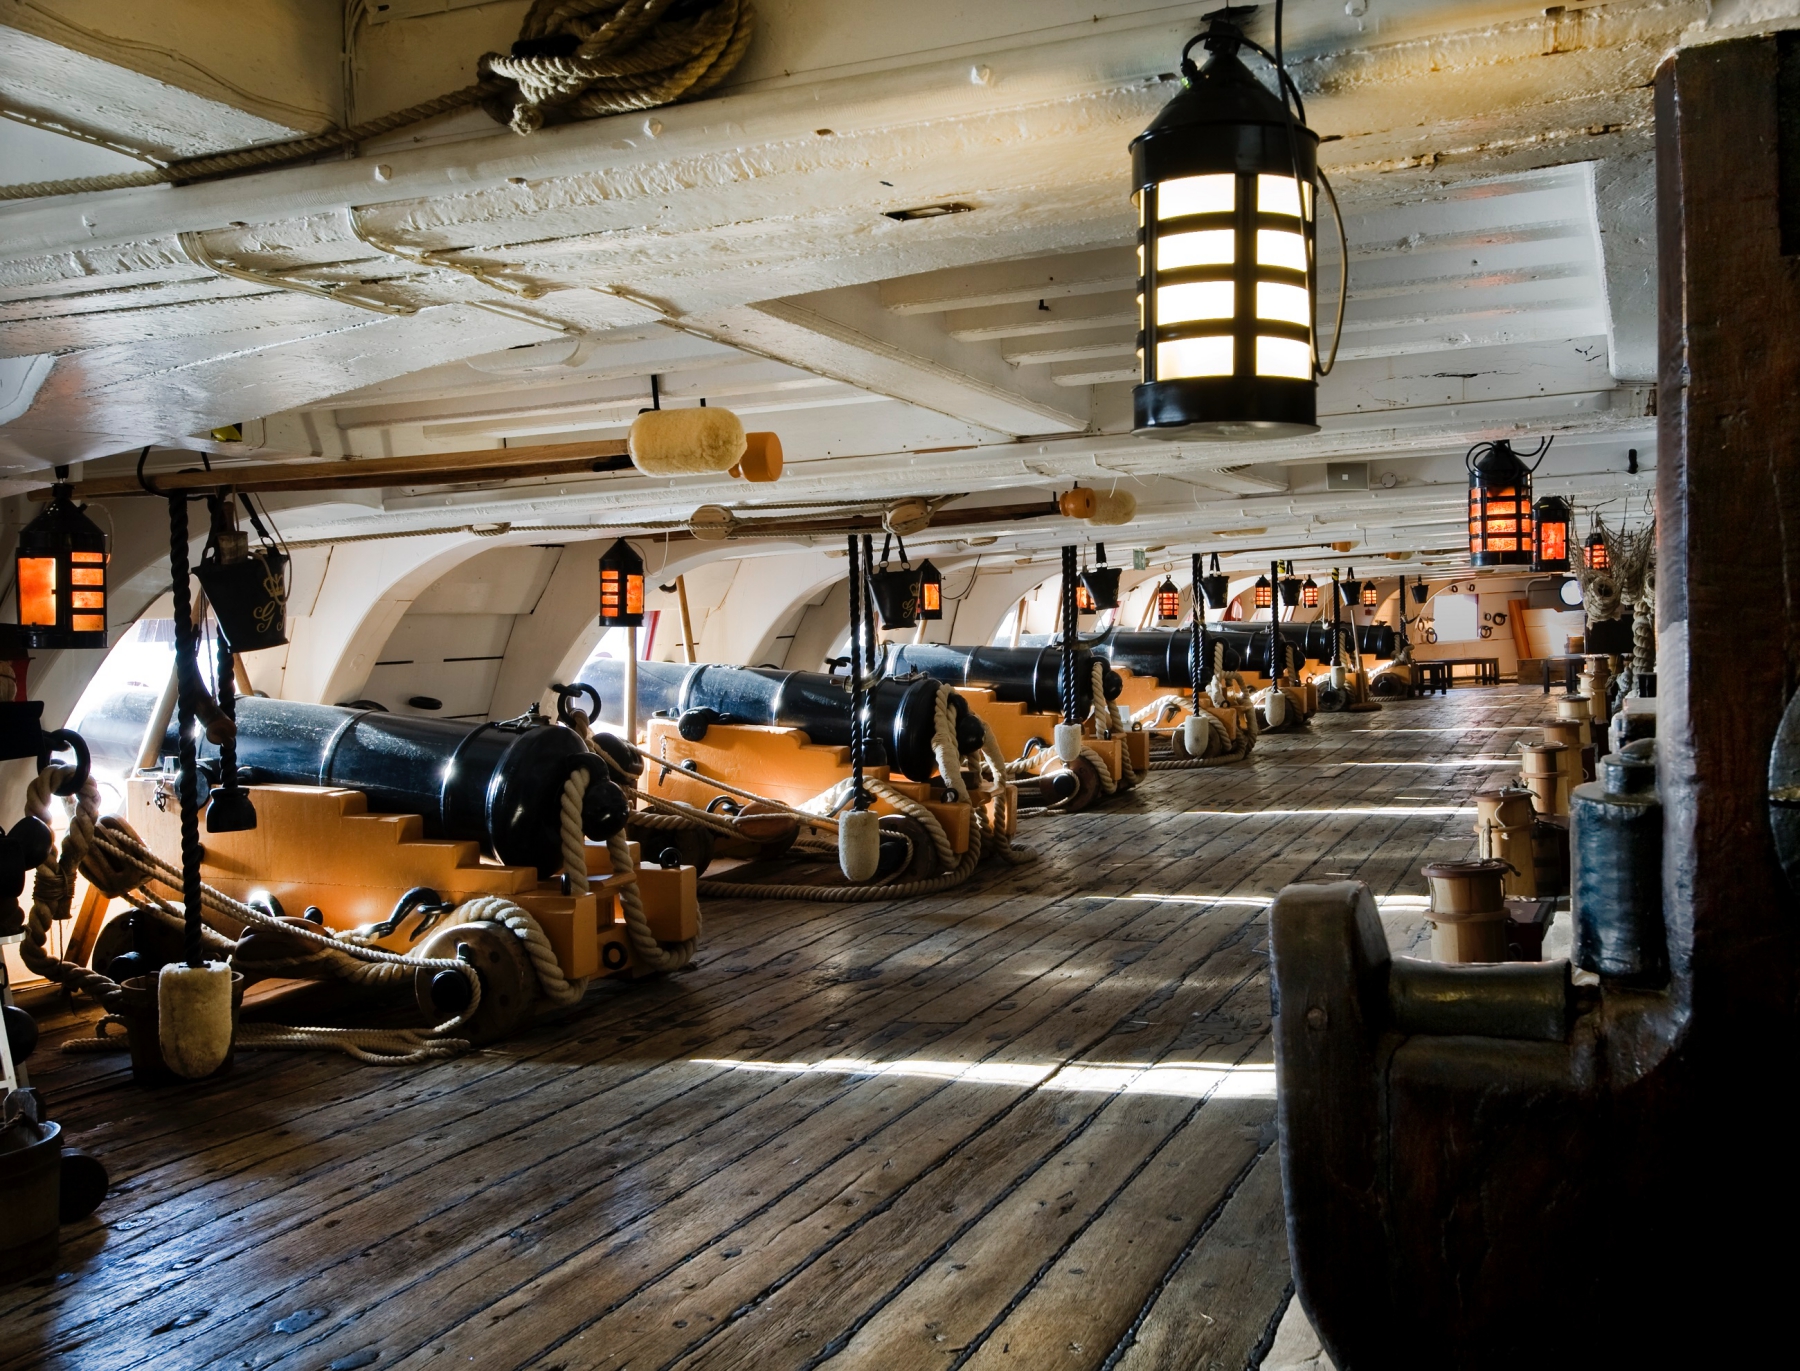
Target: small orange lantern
x=1168, y=602
x=1264, y=593
x=61, y=566
x=621, y=587
x=931, y=592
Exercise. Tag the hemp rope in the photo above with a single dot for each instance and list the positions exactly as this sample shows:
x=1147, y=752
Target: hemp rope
x=116, y=861
x=622, y=55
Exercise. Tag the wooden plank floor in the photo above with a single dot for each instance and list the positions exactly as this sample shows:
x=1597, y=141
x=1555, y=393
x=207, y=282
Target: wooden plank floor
x=1026, y=1124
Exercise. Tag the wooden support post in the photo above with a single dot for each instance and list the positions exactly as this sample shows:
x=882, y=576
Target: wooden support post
x=631, y=684
x=1431, y=1205
x=1018, y=621
x=687, y=621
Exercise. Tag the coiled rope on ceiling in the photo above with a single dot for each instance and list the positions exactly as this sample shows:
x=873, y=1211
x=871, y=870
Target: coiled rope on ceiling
x=574, y=59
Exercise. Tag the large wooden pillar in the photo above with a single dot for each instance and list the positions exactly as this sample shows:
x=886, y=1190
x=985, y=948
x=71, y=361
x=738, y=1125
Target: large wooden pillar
x=1624, y=1194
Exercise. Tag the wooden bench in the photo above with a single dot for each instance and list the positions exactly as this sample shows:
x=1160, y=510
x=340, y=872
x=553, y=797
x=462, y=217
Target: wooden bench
x=1439, y=674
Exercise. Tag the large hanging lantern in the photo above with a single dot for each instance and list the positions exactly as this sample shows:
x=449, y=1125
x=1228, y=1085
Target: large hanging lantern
x=60, y=568
x=1309, y=593
x=621, y=587
x=1594, y=552
x=1370, y=596
x=1216, y=585
x=1224, y=179
x=1168, y=602
x=1099, y=583
x=1262, y=594
x=1551, y=518
x=1500, y=526
x=931, y=591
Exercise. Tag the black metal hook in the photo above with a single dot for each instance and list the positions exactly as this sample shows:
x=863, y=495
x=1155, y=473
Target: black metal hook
x=566, y=693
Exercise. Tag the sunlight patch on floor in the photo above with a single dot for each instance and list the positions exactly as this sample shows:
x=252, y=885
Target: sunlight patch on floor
x=1189, y=1080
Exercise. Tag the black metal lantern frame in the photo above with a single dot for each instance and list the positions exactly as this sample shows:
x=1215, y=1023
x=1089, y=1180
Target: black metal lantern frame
x=1216, y=585
x=621, y=587
x=1290, y=588
x=1350, y=588
x=1309, y=593
x=247, y=587
x=897, y=593
x=1552, y=521
x=1262, y=594
x=1500, y=519
x=60, y=573
x=1099, y=584
x=1226, y=180
x=1371, y=597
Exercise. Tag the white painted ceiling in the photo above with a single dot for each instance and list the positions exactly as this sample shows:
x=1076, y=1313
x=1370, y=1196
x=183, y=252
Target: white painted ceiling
x=462, y=289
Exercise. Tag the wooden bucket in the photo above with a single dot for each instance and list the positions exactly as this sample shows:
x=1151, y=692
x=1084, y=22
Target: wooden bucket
x=1503, y=822
x=1468, y=911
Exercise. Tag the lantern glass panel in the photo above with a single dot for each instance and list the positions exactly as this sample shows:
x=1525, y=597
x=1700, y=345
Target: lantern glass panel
x=1263, y=595
x=1284, y=357
x=1370, y=596
x=1289, y=304
x=1185, y=195
x=1279, y=195
x=1188, y=357
x=1183, y=304
x=37, y=591
x=1309, y=594
x=1278, y=248
x=1199, y=248
x=1084, y=600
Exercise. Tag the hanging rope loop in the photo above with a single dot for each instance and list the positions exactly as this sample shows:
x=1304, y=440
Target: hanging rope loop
x=575, y=59
x=581, y=60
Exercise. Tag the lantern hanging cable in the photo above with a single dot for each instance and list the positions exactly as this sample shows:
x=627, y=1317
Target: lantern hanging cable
x=1337, y=215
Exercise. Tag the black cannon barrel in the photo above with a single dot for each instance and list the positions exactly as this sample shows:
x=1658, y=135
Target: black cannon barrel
x=500, y=784
x=904, y=712
x=1163, y=653
x=1021, y=675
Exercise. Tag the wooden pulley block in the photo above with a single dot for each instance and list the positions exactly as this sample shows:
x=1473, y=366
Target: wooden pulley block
x=923, y=856
x=1089, y=777
x=766, y=825
x=508, y=984
x=264, y=952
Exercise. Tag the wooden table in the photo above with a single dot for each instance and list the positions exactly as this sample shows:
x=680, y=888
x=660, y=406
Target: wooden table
x=1439, y=674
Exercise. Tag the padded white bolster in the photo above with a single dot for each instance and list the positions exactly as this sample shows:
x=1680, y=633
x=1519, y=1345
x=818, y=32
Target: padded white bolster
x=686, y=442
